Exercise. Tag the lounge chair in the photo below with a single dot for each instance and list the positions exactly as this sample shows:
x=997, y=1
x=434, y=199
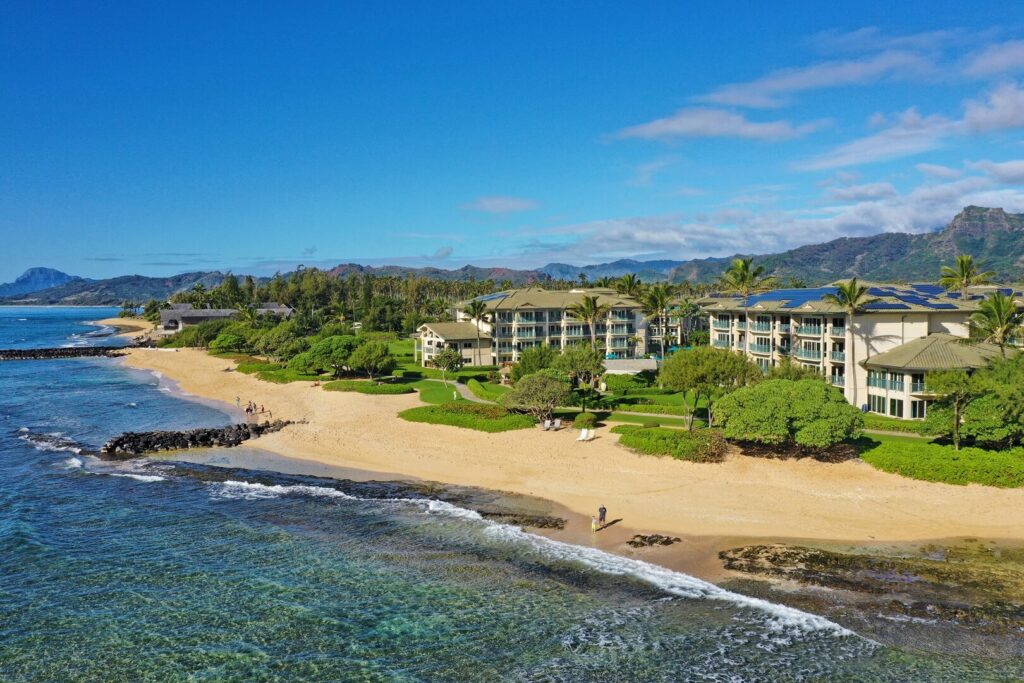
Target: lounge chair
x=558, y=424
x=591, y=433
x=582, y=436
x=547, y=425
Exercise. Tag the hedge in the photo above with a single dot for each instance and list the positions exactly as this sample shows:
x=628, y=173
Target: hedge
x=253, y=367
x=891, y=424
x=364, y=387
x=488, y=392
x=653, y=408
x=919, y=459
x=481, y=417
x=701, y=445
x=585, y=421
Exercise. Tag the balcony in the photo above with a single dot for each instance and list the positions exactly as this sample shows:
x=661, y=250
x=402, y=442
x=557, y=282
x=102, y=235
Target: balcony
x=839, y=356
x=624, y=316
x=785, y=328
x=761, y=348
x=721, y=343
x=918, y=388
x=741, y=325
x=896, y=385
x=878, y=383
x=529, y=318
x=784, y=350
x=838, y=332
x=761, y=327
x=808, y=354
x=809, y=330
x=837, y=380
x=725, y=325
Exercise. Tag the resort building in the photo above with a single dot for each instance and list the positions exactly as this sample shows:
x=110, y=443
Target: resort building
x=179, y=316
x=433, y=338
x=880, y=358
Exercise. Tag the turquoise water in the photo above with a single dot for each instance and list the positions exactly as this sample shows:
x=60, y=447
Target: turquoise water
x=156, y=571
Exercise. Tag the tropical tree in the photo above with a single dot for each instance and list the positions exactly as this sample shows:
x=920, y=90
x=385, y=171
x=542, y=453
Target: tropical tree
x=629, y=285
x=964, y=274
x=997, y=321
x=590, y=311
x=448, y=360
x=852, y=298
x=583, y=366
x=655, y=302
x=373, y=358
x=477, y=311
x=956, y=391
x=709, y=373
x=538, y=394
x=806, y=413
x=743, y=279
x=531, y=360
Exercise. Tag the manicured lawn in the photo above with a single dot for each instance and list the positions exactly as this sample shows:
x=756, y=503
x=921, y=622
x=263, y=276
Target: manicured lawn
x=483, y=418
x=488, y=391
x=285, y=376
x=920, y=459
x=367, y=387
x=660, y=419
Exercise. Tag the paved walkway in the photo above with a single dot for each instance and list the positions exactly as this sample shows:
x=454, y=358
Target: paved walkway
x=463, y=390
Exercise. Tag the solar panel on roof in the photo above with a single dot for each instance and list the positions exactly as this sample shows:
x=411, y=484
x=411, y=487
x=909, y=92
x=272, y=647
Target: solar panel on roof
x=926, y=288
x=886, y=305
x=492, y=297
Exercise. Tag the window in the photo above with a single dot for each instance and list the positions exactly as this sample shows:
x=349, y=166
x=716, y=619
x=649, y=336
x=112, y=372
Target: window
x=917, y=409
x=895, y=407
x=467, y=345
x=876, y=404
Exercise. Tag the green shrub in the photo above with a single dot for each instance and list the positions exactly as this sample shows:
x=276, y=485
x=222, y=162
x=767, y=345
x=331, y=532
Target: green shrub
x=481, y=417
x=229, y=342
x=919, y=459
x=652, y=408
x=196, y=336
x=649, y=425
x=585, y=421
x=891, y=424
x=624, y=384
x=368, y=387
x=251, y=368
x=285, y=376
x=701, y=445
x=488, y=392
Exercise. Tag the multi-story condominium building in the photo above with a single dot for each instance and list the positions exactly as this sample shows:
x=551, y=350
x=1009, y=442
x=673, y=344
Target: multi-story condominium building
x=464, y=337
x=879, y=358
x=521, y=318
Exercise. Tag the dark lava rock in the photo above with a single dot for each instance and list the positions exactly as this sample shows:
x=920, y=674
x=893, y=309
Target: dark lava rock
x=642, y=541
x=134, y=444
x=63, y=352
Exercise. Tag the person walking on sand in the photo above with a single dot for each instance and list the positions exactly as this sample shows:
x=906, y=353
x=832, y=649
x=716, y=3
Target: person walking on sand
x=602, y=515
x=593, y=524
x=238, y=401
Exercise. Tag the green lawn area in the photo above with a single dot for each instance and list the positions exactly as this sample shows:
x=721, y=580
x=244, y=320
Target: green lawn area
x=701, y=445
x=920, y=459
x=488, y=391
x=891, y=424
x=483, y=418
x=367, y=387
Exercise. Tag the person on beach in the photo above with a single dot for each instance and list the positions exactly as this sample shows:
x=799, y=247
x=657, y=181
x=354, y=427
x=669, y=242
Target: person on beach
x=593, y=524
x=238, y=401
x=261, y=409
x=602, y=515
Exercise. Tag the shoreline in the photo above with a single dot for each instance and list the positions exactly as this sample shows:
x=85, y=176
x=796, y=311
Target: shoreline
x=713, y=506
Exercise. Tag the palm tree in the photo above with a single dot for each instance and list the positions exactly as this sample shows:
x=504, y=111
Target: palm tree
x=997, y=321
x=629, y=285
x=743, y=279
x=964, y=274
x=477, y=310
x=852, y=298
x=589, y=311
x=656, y=301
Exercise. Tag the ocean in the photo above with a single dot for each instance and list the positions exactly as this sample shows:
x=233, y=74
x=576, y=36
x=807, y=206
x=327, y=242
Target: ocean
x=156, y=570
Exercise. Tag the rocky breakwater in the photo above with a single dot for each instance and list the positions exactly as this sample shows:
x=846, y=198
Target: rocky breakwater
x=134, y=444
x=61, y=352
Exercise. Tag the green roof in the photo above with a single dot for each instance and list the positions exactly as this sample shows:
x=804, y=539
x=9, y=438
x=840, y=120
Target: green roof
x=456, y=331
x=935, y=352
x=536, y=297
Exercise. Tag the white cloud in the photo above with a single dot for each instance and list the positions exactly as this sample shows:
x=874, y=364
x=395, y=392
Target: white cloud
x=872, y=39
x=770, y=90
x=862, y=192
x=441, y=254
x=939, y=171
x=1006, y=172
x=741, y=230
x=1003, y=110
x=687, y=191
x=644, y=173
x=500, y=204
x=996, y=59
x=704, y=122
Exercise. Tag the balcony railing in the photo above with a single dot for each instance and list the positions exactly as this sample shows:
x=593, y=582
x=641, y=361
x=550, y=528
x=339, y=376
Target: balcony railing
x=721, y=343
x=838, y=380
x=784, y=350
x=838, y=355
x=760, y=348
x=785, y=328
x=722, y=325
x=808, y=354
x=740, y=325
x=896, y=385
x=918, y=388
x=838, y=332
x=881, y=383
x=809, y=329
x=761, y=327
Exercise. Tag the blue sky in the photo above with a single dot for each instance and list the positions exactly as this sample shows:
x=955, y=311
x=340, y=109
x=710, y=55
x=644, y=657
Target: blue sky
x=156, y=139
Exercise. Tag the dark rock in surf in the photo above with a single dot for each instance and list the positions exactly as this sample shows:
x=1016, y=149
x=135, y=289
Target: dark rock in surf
x=134, y=444
x=62, y=352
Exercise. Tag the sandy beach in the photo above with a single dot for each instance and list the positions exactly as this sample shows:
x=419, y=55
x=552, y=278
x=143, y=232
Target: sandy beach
x=742, y=498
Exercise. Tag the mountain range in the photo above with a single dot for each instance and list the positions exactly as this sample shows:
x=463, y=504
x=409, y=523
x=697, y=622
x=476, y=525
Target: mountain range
x=995, y=239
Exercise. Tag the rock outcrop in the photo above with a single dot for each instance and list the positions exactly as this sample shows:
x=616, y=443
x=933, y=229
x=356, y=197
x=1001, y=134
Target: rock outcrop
x=61, y=352
x=134, y=444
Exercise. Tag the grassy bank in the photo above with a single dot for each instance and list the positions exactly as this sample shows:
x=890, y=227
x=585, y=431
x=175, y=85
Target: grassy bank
x=483, y=418
x=367, y=387
x=920, y=459
x=702, y=445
